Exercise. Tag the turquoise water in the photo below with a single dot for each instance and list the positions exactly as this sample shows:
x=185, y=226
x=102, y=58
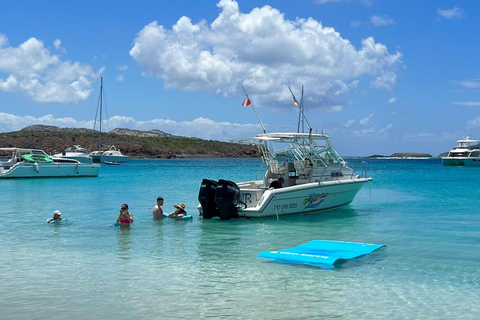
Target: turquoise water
x=427, y=215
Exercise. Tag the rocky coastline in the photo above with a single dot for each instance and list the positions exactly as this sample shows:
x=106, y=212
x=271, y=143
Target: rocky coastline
x=136, y=144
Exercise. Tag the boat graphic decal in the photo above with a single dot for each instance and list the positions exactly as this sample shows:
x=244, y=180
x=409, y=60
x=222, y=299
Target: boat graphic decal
x=314, y=200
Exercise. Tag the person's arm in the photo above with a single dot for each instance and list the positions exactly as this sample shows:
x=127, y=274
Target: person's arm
x=118, y=218
x=130, y=217
x=49, y=220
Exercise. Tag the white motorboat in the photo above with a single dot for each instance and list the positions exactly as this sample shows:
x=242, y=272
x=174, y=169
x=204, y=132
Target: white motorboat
x=76, y=152
x=112, y=154
x=315, y=178
x=466, y=153
x=34, y=163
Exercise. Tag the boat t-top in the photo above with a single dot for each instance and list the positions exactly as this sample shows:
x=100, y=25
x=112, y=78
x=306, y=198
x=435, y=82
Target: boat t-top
x=466, y=153
x=314, y=175
x=35, y=163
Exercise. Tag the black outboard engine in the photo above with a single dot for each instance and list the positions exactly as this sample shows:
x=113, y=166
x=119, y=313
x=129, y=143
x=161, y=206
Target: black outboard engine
x=206, y=197
x=227, y=198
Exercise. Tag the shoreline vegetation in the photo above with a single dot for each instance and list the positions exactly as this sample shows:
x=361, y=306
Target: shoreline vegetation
x=136, y=144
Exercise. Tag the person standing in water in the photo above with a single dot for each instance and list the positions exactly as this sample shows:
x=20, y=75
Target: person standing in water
x=125, y=218
x=158, y=210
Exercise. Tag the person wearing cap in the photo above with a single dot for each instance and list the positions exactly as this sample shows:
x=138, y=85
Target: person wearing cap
x=179, y=212
x=57, y=216
x=158, y=210
x=277, y=183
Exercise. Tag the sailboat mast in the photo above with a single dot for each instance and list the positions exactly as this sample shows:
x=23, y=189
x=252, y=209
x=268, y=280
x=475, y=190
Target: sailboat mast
x=101, y=97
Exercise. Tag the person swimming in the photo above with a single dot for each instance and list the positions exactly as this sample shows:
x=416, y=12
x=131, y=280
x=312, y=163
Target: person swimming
x=57, y=216
x=125, y=218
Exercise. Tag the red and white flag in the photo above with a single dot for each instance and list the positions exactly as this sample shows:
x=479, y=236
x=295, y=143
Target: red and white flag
x=246, y=102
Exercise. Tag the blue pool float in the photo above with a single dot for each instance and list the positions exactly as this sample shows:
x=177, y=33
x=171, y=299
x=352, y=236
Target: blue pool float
x=187, y=217
x=55, y=221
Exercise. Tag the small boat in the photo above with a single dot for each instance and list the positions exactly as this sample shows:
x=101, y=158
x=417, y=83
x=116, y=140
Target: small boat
x=76, y=152
x=304, y=173
x=315, y=178
x=111, y=155
x=466, y=153
x=112, y=163
x=35, y=163
x=101, y=155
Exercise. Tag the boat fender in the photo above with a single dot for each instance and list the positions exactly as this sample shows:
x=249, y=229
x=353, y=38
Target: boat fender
x=187, y=217
x=55, y=221
x=36, y=168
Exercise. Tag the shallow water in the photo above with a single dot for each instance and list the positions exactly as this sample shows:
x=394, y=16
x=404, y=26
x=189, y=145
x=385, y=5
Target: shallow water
x=426, y=214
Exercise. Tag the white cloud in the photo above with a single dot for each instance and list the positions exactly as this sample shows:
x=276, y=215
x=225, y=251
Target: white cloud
x=264, y=52
x=122, y=67
x=58, y=45
x=454, y=13
x=42, y=77
x=355, y=24
x=392, y=100
x=349, y=123
x=366, y=120
x=380, y=21
x=468, y=103
x=473, y=123
x=119, y=77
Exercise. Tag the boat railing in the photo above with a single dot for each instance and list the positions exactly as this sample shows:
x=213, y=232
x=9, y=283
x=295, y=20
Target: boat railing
x=364, y=169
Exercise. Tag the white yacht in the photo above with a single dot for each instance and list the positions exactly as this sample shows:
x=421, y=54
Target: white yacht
x=112, y=155
x=76, y=152
x=314, y=176
x=466, y=153
x=34, y=163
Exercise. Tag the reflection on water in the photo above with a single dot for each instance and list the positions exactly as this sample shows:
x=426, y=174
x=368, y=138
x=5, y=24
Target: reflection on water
x=124, y=242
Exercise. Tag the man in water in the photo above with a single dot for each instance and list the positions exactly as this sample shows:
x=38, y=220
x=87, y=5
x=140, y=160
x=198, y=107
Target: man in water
x=277, y=183
x=157, y=210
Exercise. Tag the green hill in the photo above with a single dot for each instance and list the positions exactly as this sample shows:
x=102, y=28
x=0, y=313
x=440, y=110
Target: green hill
x=133, y=143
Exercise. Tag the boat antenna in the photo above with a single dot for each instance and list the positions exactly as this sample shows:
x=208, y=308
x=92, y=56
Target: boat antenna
x=99, y=108
x=323, y=114
x=301, y=111
x=247, y=102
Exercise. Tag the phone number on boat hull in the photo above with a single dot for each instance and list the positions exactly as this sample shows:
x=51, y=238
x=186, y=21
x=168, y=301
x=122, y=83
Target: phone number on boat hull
x=284, y=206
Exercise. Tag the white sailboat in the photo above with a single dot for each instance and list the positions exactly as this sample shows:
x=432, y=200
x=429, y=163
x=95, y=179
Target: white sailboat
x=105, y=153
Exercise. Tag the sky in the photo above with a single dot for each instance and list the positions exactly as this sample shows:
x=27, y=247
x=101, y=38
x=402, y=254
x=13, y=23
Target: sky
x=378, y=76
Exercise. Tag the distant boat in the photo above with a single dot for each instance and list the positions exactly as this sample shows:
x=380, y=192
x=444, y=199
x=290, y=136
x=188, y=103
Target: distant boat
x=112, y=163
x=112, y=154
x=466, y=153
x=76, y=152
x=35, y=163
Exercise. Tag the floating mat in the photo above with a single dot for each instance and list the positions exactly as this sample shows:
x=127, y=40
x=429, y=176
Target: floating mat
x=321, y=252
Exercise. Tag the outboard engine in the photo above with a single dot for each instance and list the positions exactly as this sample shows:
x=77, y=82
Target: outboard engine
x=206, y=197
x=227, y=197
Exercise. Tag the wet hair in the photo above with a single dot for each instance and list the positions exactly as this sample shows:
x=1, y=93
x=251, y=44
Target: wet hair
x=159, y=198
x=125, y=205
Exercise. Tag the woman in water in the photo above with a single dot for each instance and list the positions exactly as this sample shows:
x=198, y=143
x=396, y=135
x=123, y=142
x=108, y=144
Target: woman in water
x=125, y=218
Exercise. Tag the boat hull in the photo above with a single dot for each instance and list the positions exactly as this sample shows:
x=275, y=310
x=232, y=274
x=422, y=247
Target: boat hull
x=301, y=199
x=50, y=170
x=460, y=161
x=103, y=158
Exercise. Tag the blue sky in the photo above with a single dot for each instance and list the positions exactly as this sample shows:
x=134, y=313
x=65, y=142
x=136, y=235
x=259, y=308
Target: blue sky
x=379, y=76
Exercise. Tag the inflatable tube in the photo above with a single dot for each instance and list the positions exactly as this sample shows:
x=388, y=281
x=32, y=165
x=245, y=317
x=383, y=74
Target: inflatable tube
x=55, y=221
x=187, y=217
